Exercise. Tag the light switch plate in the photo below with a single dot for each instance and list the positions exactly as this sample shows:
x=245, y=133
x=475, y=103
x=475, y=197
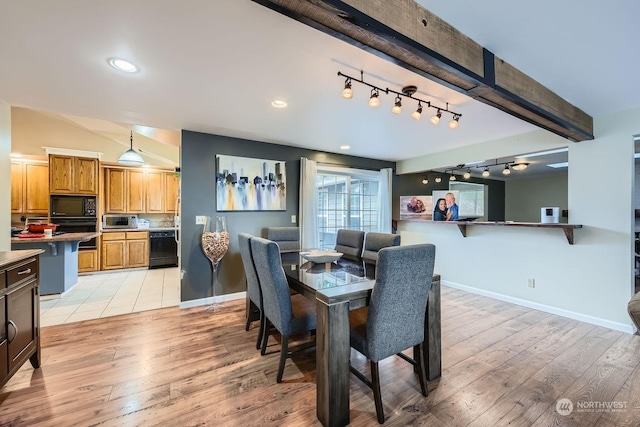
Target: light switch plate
x=293, y=219
x=200, y=219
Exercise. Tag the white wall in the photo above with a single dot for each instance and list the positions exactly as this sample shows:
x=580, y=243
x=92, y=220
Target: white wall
x=5, y=175
x=591, y=280
x=525, y=197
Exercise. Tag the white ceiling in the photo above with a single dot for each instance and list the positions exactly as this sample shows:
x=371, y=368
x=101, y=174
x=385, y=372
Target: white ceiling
x=215, y=65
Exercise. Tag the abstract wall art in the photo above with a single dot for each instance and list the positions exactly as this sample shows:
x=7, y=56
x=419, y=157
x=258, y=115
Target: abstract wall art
x=246, y=184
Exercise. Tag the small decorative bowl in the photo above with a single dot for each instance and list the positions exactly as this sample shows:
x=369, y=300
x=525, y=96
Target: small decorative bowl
x=320, y=257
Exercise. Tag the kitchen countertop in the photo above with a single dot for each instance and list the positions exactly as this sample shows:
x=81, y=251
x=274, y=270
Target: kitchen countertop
x=7, y=257
x=67, y=237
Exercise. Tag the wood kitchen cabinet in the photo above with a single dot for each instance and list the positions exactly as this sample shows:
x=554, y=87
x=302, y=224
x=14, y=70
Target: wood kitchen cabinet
x=73, y=175
x=171, y=189
x=88, y=260
x=125, y=249
x=30, y=187
x=155, y=192
x=19, y=313
x=132, y=191
x=135, y=191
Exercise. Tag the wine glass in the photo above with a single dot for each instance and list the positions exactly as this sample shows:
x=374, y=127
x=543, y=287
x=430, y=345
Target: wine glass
x=215, y=243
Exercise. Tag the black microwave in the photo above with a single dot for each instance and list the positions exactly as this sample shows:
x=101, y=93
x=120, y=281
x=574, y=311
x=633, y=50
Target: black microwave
x=72, y=206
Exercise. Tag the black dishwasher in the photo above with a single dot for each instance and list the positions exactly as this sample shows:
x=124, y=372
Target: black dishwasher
x=163, y=249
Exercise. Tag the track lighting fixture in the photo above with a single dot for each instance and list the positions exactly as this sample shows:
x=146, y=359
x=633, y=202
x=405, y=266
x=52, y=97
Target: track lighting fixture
x=347, y=93
x=453, y=124
x=397, y=108
x=506, y=170
x=438, y=179
x=374, y=100
x=435, y=119
x=418, y=113
x=452, y=177
x=425, y=180
x=485, y=172
x=407, y=92
x=467, y=174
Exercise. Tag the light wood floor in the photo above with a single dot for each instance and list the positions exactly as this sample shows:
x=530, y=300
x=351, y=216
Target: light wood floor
x=502, y=365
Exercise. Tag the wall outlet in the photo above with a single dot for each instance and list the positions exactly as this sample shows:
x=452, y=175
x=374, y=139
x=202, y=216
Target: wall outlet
x=200, y=219
x=532, y=283
x=293, y=219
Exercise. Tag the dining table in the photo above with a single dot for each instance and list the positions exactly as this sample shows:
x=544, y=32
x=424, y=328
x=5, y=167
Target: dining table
x=337, y=288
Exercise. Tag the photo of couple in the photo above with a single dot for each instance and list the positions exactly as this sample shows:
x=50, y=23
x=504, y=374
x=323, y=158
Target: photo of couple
x=445, y=208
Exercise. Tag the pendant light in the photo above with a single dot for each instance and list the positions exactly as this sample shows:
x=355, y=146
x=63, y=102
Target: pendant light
x=130, y=157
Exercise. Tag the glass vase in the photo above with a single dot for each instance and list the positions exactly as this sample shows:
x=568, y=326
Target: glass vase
x=215, y=244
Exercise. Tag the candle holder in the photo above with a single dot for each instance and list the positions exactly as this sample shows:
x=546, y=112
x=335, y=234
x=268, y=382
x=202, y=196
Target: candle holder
x=215, y=244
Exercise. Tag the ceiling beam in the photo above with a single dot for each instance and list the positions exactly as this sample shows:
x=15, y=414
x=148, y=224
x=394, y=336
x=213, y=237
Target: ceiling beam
x=407, y=34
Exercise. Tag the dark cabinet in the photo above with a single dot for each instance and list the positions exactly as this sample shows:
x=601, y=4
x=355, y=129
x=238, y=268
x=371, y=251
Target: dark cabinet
x=19, y=314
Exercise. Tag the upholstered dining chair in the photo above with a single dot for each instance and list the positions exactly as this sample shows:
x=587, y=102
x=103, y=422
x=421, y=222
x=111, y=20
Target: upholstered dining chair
x=287, y=238
x=395, y=318
x=373, y=242
x=289, y=314
x=350, y=242
x=253, y=285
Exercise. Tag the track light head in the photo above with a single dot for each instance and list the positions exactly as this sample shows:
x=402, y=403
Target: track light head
x=467, y=174
x=438, y=179
x=397, y=108
x=374, y=99
x=347, y=93
x=436, y=118
x=425, y=180
x=453, y=124
x=506, y=170
x=418, y=113
x=519, y=166
x=485, y=172
x=452, y=177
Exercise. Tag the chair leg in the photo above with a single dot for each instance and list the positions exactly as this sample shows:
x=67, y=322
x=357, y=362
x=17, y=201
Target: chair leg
x=260, y=331
x=375, y=383
x=283, y=357
x=265, y=335
x=417, y=356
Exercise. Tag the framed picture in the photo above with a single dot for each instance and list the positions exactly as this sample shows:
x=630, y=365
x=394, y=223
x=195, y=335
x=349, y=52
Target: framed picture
x=416, y=207
x=446, y=206
x=247, y=184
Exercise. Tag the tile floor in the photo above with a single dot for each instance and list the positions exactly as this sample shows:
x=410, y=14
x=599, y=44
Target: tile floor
x=110, y=294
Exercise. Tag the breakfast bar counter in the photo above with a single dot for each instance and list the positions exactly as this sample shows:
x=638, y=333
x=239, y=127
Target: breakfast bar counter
x=59, y=260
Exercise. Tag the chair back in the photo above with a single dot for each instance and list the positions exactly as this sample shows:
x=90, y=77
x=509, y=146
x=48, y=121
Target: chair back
x=276, y=300
x=398, y=304
x=287, y=238
x=253, y=285
x=373, y=242
x=350, y=243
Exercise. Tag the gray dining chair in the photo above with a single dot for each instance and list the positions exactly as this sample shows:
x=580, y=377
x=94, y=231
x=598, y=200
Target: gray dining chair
x=350, y=243
x=289, y=314
x=395, y=318
x=254, y=304
x=373, y=242
x=287, y=238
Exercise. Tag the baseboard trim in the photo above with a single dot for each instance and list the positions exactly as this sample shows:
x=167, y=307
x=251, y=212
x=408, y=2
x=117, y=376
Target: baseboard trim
x=212, y=300
x=546, y=308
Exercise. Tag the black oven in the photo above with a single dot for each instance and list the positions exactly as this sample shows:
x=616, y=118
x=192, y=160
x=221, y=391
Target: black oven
x=78, y=225
x=72, y=206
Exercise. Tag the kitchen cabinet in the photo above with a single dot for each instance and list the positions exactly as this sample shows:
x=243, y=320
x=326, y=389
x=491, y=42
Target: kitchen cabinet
x=125, y=249
x=19, y=313
x=132, y=191
x=171, y=189
x=30, y=187
x=73, y=175
x=155, y=192
x=87, y=260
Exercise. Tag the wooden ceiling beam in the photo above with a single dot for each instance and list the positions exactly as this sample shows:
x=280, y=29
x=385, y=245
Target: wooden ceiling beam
x=407, y=34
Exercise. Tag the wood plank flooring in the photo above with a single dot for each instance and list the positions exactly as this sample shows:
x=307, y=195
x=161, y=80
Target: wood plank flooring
x=502, y=365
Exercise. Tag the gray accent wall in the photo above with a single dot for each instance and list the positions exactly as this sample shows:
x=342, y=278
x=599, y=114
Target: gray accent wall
x=525, y=197
x=198, y=161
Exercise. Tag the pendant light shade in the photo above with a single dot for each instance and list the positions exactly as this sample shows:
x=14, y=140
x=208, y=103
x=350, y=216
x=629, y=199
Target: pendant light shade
x=130, y=157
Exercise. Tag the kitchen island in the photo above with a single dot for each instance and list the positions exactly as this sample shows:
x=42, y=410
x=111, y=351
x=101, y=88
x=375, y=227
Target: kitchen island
x=58, y=262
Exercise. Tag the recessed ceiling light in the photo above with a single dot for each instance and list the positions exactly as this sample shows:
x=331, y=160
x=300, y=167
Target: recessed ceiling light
x=345, y=147
x=559, y=165
x=122, y=65
x=542, y=153
x=279, y=103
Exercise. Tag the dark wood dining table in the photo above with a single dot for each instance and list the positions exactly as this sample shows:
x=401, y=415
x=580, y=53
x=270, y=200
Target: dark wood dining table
x=337, y=288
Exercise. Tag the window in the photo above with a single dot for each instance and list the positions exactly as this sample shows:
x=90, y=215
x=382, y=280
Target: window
x=347, y=198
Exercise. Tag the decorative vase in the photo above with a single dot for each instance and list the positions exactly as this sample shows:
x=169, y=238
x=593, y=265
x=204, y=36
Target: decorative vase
x=215, y=244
